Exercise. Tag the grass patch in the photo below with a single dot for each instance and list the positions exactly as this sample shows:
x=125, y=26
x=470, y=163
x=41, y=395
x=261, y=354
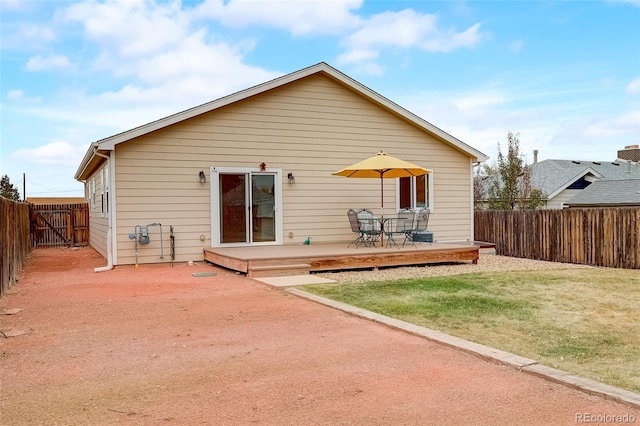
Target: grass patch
x=583, y=321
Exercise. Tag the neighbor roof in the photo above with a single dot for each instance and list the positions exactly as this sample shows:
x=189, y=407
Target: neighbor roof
x=608, y=193
x=553, y=176
x=109, y=143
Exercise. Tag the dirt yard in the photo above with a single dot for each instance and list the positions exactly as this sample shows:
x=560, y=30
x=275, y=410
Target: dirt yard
x=156, y=345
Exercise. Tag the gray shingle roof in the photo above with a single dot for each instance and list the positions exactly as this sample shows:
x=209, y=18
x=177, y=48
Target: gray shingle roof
x=553, y=176
x=608, y=192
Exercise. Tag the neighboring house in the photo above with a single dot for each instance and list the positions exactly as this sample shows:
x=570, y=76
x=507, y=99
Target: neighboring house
x=562, y=180
x=254, y=168
x=608, y=193
x=56, y=200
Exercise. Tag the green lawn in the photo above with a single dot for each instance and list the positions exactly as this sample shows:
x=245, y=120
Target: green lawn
x=583, y=321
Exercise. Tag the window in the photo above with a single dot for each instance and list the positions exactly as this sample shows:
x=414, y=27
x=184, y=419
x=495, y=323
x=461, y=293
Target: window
x=106, y=188
x=415, y=192
x=581, y=183
x=92, y=192
x=104, y=191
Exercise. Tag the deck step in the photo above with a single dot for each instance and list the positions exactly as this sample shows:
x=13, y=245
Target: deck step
x=278, y=270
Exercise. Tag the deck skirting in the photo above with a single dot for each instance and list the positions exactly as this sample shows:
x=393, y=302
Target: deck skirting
x=286, y=259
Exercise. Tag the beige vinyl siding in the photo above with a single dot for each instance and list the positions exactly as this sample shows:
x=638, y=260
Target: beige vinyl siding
x=562, y=197
x=98, y=222
x=312, y=127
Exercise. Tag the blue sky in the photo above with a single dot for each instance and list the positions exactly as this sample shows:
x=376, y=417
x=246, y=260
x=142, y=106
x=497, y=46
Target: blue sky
x=565, y=75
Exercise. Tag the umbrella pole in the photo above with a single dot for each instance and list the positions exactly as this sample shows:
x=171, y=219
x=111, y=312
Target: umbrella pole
x=382, y=207
x=382, y=194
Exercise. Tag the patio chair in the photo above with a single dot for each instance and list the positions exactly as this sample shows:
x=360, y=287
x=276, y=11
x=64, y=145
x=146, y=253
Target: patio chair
x=355, y=227
x=422, y=221
x=400, y=226
x=369, y=226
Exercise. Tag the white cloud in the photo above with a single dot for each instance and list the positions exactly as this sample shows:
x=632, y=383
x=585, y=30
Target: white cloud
x=168, y=61
x=516, y=45
x=54, y=153
x=130, y=28
x=23, y=37
x=101, y=117
x=364, y=38
x=601, y=127
x=355, y=56
x=40, y=63
x=410, y=29
x=452, y=40
x=479, y=101
x=562, y=130
x=631, y=2
x=133, y=94
x=633, y=87
x=15, y=95
x=37, y=33
x=402, y=29
x=406, y=29
x=12, y=4
x=298, y=17
x=368, y=68
x=18, y=95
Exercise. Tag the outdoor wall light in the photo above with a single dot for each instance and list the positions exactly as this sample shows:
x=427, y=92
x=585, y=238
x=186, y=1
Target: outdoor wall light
x=291, y=179
x=203, y=177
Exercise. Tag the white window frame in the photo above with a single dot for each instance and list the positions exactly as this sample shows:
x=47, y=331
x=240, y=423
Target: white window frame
x=104, y=209
x=214, y=173
x=106, y=189
x=92, y=192
x=428, y=197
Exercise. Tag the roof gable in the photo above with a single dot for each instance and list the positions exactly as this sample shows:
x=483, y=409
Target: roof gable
x=109, y=143
x=554, y=176
x=609, y=192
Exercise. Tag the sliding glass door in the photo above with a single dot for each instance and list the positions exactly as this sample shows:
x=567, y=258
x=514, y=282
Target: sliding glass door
x=245, y=206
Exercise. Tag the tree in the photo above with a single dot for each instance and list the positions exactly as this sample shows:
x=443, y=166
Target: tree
x=482, y=173
x=530, y=198
x=510, y=186
x=7, y=190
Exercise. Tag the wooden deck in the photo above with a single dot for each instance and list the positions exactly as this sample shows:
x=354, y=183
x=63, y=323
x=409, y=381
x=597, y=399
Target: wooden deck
x=264, y=261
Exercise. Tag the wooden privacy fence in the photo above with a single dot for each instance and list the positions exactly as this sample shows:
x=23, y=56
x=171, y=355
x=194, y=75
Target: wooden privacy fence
x=60, y=224
x=15, y=241
x=601, y=237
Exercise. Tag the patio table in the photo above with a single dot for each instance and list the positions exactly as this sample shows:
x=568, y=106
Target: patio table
x=382, y=221
x=400, y=224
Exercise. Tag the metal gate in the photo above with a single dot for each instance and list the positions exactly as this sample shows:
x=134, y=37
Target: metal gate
x=59, y=224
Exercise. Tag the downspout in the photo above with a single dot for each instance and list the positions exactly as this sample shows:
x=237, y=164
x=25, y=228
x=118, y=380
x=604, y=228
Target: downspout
x=473, y=204
x=109, y=265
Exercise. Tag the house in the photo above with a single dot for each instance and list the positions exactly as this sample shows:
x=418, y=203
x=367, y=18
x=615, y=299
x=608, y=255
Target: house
x=55, y=200
x=254, y=168
x=562, y=180
x=608, y=193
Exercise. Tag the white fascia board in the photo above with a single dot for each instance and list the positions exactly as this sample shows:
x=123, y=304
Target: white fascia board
x=86, y=160
x=573, y=179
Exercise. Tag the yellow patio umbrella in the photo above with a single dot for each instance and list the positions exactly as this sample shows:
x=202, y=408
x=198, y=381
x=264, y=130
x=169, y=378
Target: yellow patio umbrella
x=382, y=166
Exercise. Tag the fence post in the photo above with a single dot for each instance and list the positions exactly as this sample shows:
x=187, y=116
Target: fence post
x=15, y=241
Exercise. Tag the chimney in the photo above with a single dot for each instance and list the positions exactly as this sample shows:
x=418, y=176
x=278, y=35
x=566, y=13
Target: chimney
x=535, y=156
x=630, y=153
